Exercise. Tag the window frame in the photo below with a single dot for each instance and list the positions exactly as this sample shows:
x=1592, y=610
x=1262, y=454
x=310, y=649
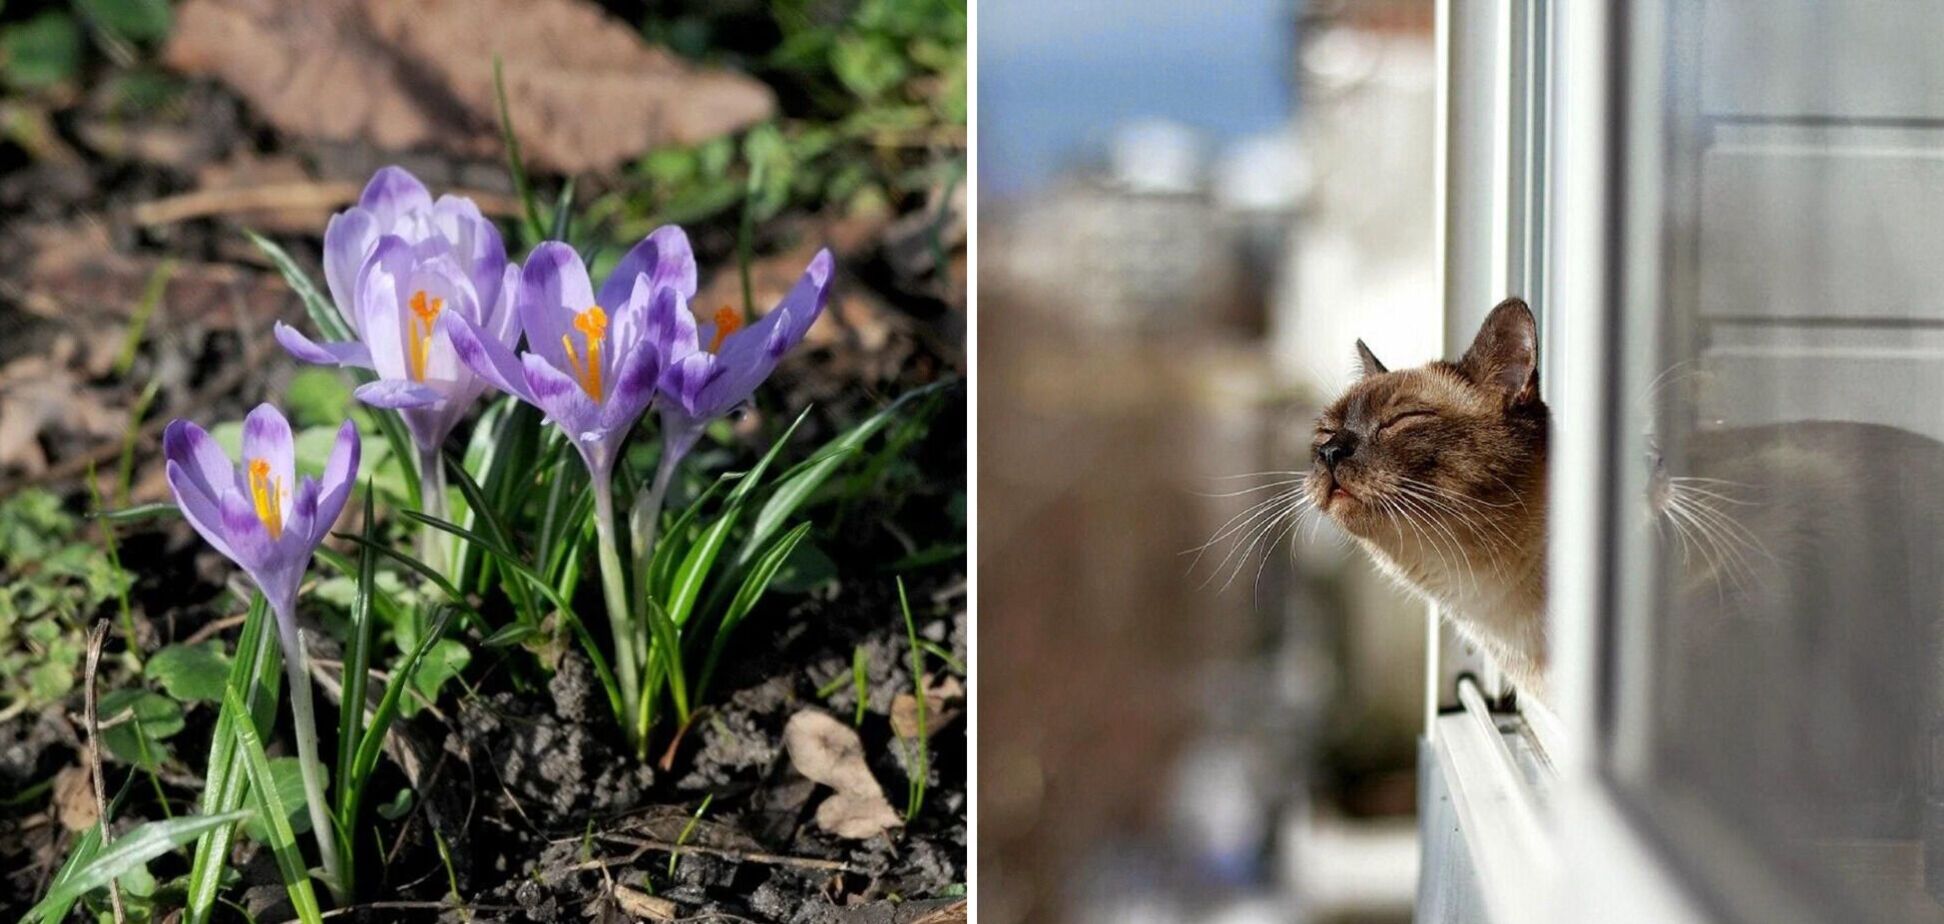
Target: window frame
x=1609, y=151
x=1570, y=222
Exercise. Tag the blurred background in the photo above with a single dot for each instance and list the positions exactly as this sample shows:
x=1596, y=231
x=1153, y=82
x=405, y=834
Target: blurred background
x=1187, y=218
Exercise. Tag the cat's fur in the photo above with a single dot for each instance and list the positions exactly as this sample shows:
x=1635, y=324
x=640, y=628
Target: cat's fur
x=1439, y=472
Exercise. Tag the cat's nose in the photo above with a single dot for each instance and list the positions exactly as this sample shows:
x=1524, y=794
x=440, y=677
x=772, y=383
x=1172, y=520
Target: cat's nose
x=1336, y=449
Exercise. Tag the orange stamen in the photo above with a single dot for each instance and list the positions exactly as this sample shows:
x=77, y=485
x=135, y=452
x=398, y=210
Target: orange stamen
x=727, y=321
x=592, y=324
x=424, y=312
x=268, y=495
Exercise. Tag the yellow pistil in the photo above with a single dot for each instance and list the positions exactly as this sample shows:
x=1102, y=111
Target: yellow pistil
x=425, y=311
x=727, y=321
x=592, y=324
x=268, y=495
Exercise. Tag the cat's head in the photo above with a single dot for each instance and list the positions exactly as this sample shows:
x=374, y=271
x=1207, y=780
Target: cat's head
x=1440, y=445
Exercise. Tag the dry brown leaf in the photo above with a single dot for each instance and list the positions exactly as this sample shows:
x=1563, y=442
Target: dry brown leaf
x=953, y=914
x=904, y=707
x=74, y=271
x=640, y=904
x=585, y=91
x=40, y=393
x=857, y=816
x=74, y=801
x=830, y=752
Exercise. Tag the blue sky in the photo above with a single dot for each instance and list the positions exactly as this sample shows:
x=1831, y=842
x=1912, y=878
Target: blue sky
x=1056, y=76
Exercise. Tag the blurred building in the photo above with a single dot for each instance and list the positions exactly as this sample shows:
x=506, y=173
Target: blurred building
x=1225, y=734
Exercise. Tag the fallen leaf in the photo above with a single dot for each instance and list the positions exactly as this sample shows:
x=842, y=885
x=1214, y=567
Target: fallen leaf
x=951, y=914
x=39, y=394
x=857, y=816
x=904, y=707
x=585, y=91
x=830, y=752
x=73, y=272
x=642, y=905
x=74, y=800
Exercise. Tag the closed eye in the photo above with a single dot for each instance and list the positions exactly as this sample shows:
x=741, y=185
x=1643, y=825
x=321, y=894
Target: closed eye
x=1396, y=419
x=1323, y=435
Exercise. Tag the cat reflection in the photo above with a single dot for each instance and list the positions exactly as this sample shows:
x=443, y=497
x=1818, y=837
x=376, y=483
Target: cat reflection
x=1797, y=669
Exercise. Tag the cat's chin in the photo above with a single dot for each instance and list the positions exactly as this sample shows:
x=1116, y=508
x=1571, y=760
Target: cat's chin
x=1347, y=508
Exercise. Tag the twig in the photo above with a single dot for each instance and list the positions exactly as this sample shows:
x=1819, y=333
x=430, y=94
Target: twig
x=213, y=628
x=402, y=906
x=95, y=638
x=643, y=845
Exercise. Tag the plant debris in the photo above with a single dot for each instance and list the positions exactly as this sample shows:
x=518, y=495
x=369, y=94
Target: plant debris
x=584, y=91
x=831, y=753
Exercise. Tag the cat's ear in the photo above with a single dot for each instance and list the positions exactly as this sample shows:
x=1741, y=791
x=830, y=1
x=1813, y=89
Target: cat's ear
x=1505, y=355
x=1368, y=363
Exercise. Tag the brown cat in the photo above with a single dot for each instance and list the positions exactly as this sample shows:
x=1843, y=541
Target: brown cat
x=1440, y=473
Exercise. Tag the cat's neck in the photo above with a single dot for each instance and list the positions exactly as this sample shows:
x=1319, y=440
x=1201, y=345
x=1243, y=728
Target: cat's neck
x=1487, y=574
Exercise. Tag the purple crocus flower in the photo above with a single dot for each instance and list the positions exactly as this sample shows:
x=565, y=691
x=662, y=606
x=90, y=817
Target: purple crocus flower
x=705, y=384
x=592, y=361
x=258, y=513
x=396, y=263
x=261, y=516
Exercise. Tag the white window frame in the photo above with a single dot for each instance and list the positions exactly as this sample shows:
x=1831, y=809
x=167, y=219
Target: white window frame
x=1548, y=171
x=1608, y=150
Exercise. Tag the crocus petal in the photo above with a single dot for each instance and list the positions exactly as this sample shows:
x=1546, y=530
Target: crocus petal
x=672, y=326
x=300, y=533
x=397, y=394
x=487, y=357
x=443, y=280
x=391, y=192
x=556, y=393
x=348, y=239
x=476, y=242
x=382, y=304
x=198, y=506
x=553, y=289
x=346, y=353
x=340, y=475
x=502, y=320
x=683, y=380
x=807, y=298
x=204, y=463
x=663, y=256
x=277, y=569
x=628, y=325
x=248, y=538
x=747, y=357
x=266, y=438
x=636, y=374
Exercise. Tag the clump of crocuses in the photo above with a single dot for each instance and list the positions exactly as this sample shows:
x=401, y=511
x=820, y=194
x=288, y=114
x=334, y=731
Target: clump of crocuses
x=259, y=514
x=596, y=361
x=435, y=311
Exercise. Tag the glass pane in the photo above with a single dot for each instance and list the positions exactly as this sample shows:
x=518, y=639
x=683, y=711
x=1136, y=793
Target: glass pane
x=1784, y=429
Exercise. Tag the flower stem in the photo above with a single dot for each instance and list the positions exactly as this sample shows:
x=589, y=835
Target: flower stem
x=297, y=666
x=432, y=503
x=614, y=586
x=645, y=522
